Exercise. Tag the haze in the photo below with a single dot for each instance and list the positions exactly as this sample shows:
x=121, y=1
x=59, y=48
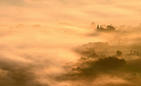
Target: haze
x=42, y=39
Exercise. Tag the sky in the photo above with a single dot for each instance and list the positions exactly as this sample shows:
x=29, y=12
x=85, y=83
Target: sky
x=68, y=12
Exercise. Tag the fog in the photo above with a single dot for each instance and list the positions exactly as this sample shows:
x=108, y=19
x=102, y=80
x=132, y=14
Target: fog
x=67, y=43
x=43, y=51
x=36, y=55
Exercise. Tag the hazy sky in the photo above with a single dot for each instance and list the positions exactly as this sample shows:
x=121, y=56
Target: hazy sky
x=42, y=34
x=77, y=13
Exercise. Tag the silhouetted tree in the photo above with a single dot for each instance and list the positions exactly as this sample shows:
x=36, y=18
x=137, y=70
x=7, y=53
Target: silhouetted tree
x=118, y=53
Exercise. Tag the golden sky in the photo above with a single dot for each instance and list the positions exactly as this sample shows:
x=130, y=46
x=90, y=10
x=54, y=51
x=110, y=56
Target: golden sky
x=42, y=34
x=76, y=12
